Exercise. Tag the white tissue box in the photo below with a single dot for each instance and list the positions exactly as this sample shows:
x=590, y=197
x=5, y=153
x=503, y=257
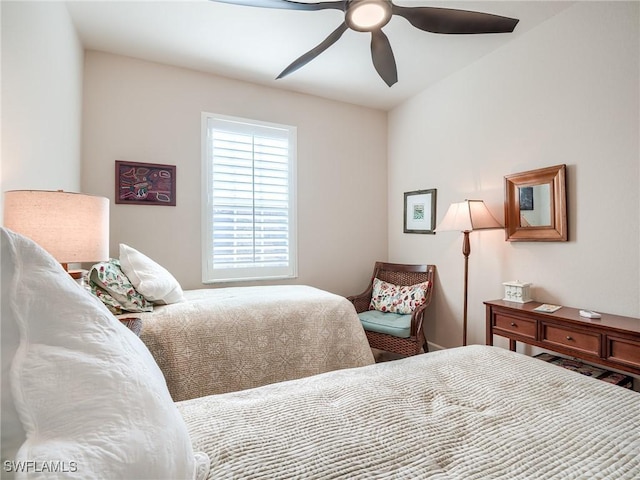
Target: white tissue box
x=518, y=292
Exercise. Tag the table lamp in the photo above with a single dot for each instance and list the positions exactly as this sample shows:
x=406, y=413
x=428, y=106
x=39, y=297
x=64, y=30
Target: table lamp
x=72, y=227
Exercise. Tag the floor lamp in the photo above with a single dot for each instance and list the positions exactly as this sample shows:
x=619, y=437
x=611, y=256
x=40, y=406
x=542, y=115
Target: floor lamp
x=465, y=217
x=72, y=227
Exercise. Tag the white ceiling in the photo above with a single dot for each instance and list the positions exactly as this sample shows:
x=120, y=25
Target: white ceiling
x=256, y=44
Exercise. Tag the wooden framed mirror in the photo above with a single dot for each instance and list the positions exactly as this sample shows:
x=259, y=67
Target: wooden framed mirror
x=535, y=205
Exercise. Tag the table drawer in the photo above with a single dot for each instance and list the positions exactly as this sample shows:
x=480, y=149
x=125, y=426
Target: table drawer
x=518, y=326
x=623, y=350
x=575, y=339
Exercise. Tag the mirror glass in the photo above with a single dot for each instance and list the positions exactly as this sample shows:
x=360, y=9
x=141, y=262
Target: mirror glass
x=536, y=205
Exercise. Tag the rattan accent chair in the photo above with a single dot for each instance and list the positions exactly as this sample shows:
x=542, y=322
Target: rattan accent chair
x=399, y=274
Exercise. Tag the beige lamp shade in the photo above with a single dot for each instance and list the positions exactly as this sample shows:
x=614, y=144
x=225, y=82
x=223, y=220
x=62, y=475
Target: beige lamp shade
x=468, y=216
x=72, y=227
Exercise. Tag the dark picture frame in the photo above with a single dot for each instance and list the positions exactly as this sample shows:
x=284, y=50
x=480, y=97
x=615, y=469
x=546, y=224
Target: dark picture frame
x=420, y=211
x=139, y=183
x=526, y=198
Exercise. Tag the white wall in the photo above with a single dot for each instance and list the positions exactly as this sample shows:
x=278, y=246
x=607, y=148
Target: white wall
x=147, y=112
x=41, y=97
x=566, y=92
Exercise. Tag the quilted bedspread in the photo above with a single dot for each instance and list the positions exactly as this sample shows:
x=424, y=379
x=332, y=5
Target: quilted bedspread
x=474, y=412
x=228, y=339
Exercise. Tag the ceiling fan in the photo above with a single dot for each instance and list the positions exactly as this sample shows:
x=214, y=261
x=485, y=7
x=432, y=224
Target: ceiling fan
x=372, y=15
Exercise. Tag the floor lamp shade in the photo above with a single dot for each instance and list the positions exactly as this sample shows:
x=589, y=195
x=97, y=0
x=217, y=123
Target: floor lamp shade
x=465, y=217
x=468, y=216
x=72, y=227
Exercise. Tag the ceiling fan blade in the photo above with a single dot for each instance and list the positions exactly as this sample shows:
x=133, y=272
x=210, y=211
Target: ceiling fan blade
x=382, y=56
x=314, y=52
x=287, y=4
x=446, y=20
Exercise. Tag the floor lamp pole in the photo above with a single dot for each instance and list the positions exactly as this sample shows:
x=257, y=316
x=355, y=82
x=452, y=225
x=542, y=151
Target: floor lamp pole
x=466, y=250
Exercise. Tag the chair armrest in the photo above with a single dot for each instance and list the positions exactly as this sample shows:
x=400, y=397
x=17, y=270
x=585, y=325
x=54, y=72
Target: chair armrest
x=361, y=301
x=416, y=320
x=418, y=316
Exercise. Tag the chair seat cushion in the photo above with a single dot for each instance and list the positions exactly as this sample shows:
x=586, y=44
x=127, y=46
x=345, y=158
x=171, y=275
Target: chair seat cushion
x=384, y=322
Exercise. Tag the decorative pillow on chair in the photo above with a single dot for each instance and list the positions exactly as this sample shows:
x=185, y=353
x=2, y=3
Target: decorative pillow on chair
x=150, y=279
x=108, y=282
x=91, y=400
x=387, y=297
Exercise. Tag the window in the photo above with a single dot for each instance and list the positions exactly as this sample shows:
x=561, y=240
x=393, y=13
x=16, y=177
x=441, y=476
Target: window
x=248, y=225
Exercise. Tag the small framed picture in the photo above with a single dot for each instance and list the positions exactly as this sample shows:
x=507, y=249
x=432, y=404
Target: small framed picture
x=145, y=183
x=526, y=198
x=420, y=211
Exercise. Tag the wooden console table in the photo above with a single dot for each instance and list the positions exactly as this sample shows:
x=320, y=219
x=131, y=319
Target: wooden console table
x=612, y=340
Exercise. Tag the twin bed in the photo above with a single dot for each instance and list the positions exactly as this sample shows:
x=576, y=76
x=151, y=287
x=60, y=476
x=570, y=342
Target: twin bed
x=229, y=339
x=82, y=392
x=474, y=412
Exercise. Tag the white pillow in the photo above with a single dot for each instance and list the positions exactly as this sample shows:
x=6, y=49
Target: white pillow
x=13, y=435
x=91, y=399
x=153, y=281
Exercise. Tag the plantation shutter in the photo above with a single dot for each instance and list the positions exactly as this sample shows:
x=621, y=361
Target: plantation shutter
x=249, y=224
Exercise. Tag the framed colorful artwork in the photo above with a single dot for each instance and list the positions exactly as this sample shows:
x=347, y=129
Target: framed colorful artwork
x=420, y=211
x=145, y=183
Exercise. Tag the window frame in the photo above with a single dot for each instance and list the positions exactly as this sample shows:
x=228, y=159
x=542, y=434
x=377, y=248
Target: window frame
x=210, y=274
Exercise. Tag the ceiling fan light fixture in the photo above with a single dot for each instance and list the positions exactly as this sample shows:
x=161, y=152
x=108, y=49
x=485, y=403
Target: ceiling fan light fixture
x=368, y=15
x=371, y=15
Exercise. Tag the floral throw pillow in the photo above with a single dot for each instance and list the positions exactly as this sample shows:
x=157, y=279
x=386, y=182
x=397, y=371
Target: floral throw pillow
x=107, y=281
x=387, y=297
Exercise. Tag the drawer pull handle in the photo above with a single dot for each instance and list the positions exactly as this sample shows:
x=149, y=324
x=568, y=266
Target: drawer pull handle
x=513, y=324
x=569, y=337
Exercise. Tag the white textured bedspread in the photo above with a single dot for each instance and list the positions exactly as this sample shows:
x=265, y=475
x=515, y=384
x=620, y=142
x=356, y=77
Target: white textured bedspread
x=228, y=339
x=474, y=412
